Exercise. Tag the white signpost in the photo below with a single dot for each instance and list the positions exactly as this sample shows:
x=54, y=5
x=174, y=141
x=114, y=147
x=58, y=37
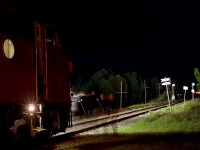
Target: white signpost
x=185, y=88
x=166, y=81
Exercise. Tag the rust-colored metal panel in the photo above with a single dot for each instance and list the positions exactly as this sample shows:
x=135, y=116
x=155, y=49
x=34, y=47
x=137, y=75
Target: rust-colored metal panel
x=58, y=76
x=17, y=75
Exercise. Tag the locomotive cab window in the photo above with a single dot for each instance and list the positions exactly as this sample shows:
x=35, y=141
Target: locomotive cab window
x=8, y=48
x=52, y=38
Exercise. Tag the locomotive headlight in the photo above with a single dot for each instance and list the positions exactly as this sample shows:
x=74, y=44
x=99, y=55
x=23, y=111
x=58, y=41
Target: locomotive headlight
x=31, y=108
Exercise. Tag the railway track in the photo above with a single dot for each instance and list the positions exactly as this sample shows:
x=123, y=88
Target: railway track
x=96, y=121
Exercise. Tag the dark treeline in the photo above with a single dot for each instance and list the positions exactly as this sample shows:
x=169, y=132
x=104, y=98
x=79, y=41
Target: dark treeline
x=108, y=86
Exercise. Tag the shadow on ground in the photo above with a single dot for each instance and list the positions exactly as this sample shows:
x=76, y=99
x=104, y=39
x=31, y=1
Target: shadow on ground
x=159, y=141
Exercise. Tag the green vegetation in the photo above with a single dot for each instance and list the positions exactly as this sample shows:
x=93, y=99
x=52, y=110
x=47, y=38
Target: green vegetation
x=106, y=82
x=197, y=76
x=182, y=118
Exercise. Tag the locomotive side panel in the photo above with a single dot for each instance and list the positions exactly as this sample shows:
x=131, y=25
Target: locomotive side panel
x=17, y=75
x=53, y=80
x=58, y=102
x=58, y=77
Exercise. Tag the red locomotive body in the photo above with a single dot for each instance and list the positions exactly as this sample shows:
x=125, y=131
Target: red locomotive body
x=34, y=83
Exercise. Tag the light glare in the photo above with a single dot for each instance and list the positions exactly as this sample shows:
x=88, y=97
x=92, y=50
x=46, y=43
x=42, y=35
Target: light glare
x=31, y=108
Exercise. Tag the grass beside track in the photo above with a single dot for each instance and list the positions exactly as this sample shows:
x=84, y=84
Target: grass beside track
x=184, y=118
x=163, y=129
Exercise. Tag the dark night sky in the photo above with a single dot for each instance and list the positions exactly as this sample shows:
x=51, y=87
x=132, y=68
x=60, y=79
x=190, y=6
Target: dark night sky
x=153, y=38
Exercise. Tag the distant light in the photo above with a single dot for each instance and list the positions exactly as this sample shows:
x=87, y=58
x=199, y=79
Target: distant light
x=197, y=92
x=193, y=84
x=173, y=84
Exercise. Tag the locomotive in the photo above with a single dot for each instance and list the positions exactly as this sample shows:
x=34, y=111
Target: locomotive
x=34, y=81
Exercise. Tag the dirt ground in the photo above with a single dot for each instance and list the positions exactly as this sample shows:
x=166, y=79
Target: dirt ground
x=176, y=141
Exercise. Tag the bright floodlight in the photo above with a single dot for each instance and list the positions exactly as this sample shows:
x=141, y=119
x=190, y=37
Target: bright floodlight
x=31, y=108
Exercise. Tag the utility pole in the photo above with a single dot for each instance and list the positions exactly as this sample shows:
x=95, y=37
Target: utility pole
x=158, y=86
x=145, y=92
x=121, y=92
